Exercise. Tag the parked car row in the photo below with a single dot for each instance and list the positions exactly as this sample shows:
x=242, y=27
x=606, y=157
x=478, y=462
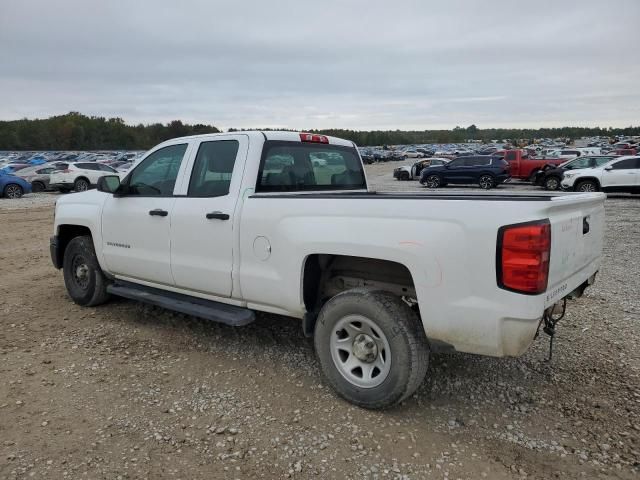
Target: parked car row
x=24, y=172
x=585, y=173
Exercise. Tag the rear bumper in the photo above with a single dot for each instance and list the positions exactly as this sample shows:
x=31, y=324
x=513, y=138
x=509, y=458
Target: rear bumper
x=480, y=326
x=55, y=252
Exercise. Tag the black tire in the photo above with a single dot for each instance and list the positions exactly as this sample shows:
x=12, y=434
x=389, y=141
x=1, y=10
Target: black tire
x=432, y=181
x=83, y=277
x=586, y=186
x=13, y=190
x=37, y=187
x=486, y=182
x=404, y=175
x=398, y=327
x=81, y=185
x=551, y=183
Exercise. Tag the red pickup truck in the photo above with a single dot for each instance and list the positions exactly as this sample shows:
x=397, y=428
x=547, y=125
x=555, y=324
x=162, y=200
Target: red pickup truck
x=525, y=168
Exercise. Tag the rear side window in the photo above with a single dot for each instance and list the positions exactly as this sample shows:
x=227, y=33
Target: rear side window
x=86, y=166
x=477, y=161
x=213, y=168
x=510, y=156
x=294, y=166
x=627, y=164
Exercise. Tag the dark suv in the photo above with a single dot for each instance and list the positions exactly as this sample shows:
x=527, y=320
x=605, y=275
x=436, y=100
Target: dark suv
x=485, y=170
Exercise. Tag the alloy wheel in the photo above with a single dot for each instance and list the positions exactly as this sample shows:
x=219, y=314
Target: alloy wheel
x=486, y=182
x=432, y=181
x=13, y=191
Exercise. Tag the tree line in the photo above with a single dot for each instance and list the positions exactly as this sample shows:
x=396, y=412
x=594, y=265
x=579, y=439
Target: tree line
x=75, y=131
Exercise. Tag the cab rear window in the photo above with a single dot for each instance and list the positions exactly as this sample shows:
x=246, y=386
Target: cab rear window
x=293, y=166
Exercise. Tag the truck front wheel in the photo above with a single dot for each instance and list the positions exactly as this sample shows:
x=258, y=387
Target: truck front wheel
x=371, y=347
x=83, y=277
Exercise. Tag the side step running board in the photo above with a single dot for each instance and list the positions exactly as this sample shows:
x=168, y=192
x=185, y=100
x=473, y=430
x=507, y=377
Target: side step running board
x=198, y=307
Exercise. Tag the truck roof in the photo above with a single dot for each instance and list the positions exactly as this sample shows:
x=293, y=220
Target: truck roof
x=269, y=135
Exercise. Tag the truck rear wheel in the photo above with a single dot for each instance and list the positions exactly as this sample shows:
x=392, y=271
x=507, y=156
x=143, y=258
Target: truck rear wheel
x=532, y=176
x=83, y=277
x=371, y=347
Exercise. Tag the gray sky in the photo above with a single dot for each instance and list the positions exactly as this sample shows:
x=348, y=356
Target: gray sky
x=347, y=64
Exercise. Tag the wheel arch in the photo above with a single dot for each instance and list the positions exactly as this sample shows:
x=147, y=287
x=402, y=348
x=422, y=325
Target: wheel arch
x=8, y=184
x=587, y=179
x=66, y=233
x=326, y=275
x=82, y=177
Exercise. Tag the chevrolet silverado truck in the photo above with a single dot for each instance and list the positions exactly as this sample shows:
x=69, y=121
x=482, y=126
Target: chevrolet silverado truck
x=221, y=226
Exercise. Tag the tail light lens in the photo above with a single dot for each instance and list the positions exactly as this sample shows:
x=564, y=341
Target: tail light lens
x=522, y=261
x=313, y=138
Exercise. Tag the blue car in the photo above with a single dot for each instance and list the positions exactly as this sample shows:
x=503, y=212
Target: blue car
x=484, y=170
x=12, y=186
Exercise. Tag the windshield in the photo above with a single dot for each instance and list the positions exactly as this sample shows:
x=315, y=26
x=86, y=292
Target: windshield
x=297, y=166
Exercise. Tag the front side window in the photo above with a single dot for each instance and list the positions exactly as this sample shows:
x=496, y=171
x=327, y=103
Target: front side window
x=293, y=166
x=212, y=170
x=602, y=160
x=156, y=175
x=510, y=156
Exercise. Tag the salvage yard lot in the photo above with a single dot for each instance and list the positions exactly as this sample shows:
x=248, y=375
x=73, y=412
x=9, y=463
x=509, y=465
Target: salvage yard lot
x=138, y=392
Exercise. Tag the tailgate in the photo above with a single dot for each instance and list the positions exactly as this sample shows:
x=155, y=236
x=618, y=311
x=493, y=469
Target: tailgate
x=577, y=231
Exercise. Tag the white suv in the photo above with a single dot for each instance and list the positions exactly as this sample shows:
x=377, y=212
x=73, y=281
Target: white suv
x=619, y=175
x=80, y=176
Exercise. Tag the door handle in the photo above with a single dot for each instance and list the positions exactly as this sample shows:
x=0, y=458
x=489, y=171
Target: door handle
x=217, y=215
x=158, y=212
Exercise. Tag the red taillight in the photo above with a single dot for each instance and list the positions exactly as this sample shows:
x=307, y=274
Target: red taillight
x=313, y=138
x=66, y=170
x=523, y=257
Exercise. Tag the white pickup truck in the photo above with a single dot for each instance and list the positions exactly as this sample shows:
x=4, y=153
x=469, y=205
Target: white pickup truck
x=220, y=226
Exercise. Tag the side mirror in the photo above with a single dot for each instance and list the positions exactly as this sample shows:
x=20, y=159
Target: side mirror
x=109, y=183
x=608, y=168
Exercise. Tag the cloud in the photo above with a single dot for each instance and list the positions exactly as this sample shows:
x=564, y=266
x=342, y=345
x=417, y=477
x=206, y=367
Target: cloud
x=358, y=64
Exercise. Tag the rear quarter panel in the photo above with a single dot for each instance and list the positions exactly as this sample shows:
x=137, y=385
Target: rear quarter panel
x=449, y=246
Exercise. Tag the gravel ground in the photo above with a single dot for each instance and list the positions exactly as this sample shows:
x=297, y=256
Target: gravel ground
x=130, y=391
x=31, y=200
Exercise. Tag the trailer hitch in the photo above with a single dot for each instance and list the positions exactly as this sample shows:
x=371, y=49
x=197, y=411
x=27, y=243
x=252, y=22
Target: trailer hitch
x=550, y=318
